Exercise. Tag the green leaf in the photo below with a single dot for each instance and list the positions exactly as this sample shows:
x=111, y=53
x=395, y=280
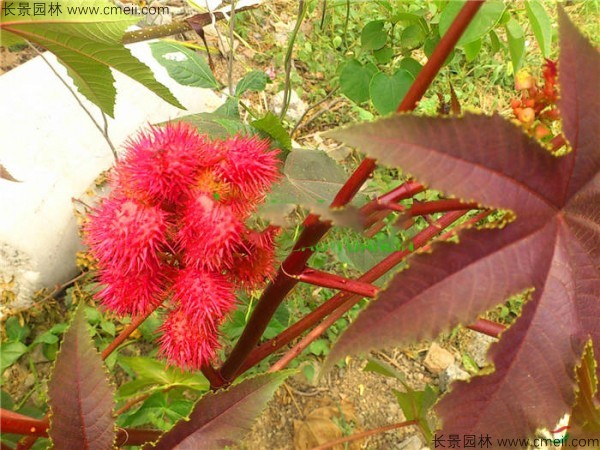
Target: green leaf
x=541, y=25
x=184, y=65
x=387, y=92
x=486, y=18
x=215, y=125
x=372, y=36
x=6, y=400
x=382, y=368
x=10, y=352
x=384, y=55
x=516, y=43
x=585, y=416
x=309, y=176
x=472, y=50
x=412, y=37
x=411, y=65
x=355, y=79
x=88, y=45
x=80, y=395
x=221, y=418
x=252, y=81
x=319, y=347
x=415, y=405
x=229, y=109
x=156, y=372
x=495, y=42
x=470, y=365
x=14, y=330
x=271, y=126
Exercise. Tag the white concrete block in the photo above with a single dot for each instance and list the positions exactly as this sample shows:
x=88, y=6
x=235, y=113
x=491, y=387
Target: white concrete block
x=50, y=144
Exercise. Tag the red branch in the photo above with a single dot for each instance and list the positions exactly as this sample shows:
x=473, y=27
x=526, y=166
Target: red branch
x=488, y=327
x=437, y=206
x=135, y=323
x=333, y=281
x=335, y=302
x=314, y=229
x=11, y=422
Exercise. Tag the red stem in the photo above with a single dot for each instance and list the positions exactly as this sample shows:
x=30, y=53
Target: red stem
x=364, y=434
x=14, y=423
x=124, y=335
x=333, y=281
x=335, y=302
x=437, y=206
x=383, y=267
x=439, y=55
x=314, y=229
x=488, y=327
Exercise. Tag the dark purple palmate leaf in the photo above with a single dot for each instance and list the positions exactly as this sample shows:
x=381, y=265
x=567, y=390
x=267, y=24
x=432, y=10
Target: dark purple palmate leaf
x=80, y=395
x=222, y=418
x=553, y=245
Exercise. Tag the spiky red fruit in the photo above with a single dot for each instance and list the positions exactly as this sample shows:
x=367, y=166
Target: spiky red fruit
x=135, y=293
x=248, y=164
x=125, y=234
x=203, y=294
x=162, y=164
x=186, y=342
x=208, y=233
x=253, y=263
x=173, y=227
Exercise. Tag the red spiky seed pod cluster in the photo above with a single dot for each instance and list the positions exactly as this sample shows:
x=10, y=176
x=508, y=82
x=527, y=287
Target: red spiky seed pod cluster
x=173, y=229
x=536, y=109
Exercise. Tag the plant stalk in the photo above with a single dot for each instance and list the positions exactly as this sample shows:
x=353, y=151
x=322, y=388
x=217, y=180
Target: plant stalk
x=269, y=347
x=314, y=229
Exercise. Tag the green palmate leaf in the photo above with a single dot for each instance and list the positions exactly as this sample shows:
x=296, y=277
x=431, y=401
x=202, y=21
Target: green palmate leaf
x=310, y=179
x=184, y=65
x=80, y=395
x=552, y=246
x=388, y=91
x=87, y=43
x=215, y=125
x=355, y=79
x=486, y=18
x=10, y=352
x=372, y=36
x=253, y=81
x=309, y=176
x=516, y=43
x=540, y=22
x=222, y=418
x=416, y=405
x=585, y=415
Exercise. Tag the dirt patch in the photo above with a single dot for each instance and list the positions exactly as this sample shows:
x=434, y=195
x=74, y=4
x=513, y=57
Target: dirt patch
x=366, y=397
x=11, y=59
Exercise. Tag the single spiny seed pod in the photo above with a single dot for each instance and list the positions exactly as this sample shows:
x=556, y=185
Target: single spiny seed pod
x=208, y=233
x=203, y=294
x=186, y=342
x=134, y=293
x=161, y=164
x=248, y=164
x=125, y=234
x=258, y=252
